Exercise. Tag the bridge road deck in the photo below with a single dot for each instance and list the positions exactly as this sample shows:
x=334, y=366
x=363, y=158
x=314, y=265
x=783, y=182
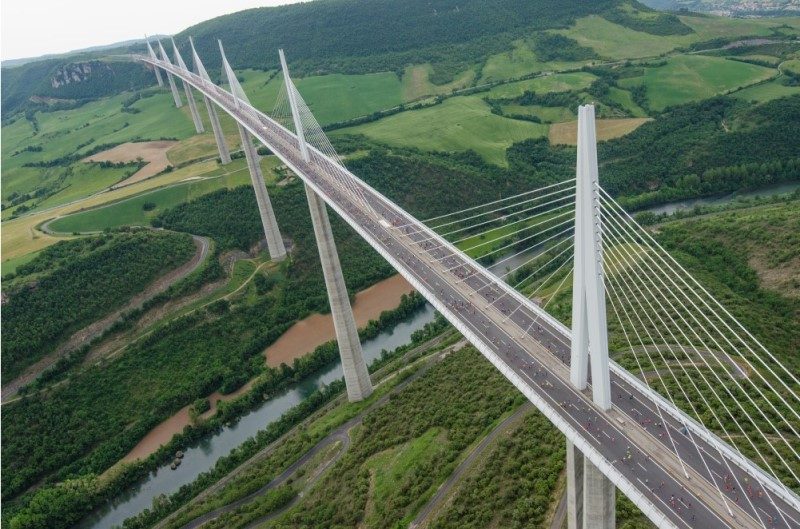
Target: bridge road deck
x=532, y=350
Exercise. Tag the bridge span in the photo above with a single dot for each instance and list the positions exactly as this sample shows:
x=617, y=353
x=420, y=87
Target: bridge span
x=676, y=471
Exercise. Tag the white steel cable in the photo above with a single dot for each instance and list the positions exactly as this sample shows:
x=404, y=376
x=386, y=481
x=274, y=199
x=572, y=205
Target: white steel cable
x=723, y=335
x=630, y=219
x=647, y=297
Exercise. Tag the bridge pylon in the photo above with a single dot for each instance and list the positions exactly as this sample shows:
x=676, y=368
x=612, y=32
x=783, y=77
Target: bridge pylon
x=277, y=250
x=152, y=55
x=171, y=80
x=356, y=375
x=198, y=123
x=590, y=494
x=219, y=137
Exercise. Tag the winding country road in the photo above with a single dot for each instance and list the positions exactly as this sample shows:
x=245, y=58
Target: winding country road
x=340, y=434
x=87, y=334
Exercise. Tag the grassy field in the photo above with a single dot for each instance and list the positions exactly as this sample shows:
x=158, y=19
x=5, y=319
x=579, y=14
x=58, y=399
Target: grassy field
x=624, y=99
x=20, y=236
x=458, y=124
x=546, y=114
x=564, y=82
x=766, y=92
x=688, y=78
x=613, y=41
x=567, y=133
x=416, y=82
x=74, y=131
x=520, y=60
x=332, y=98
x=131, y=212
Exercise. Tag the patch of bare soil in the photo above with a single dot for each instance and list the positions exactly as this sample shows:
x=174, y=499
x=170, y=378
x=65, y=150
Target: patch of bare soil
x=162, y=434
x=566, y=133
x=152, y=152
x=306, y=335
x=781, y=278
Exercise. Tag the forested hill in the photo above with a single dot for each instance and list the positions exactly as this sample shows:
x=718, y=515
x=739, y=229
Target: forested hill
x=345, y=36
x=357, y=36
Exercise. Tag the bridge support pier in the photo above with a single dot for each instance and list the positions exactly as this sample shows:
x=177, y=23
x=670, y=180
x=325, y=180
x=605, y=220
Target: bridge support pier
x=589, y=333
x=224, y=154
x=153, y=56
x=356, y=375
x=574, y=487
x=170, y=80
x=599, y=500
x=198, y=123
x=277, y=250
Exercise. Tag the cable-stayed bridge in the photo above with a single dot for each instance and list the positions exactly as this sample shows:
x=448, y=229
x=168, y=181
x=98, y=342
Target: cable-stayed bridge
x=703, y=432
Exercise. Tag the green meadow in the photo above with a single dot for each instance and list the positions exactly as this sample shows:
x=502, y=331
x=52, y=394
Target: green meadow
x=457, y=124
x=131, y=211
x=688, y=78
x=768, y=91
x=520, y=60
x=563, y=82
x=332, y=98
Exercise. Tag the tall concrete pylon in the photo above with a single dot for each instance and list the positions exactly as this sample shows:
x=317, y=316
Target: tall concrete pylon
x=153, y=56
x=198, y=123
x=224, y=154
x=277, y=250
x=174, y=89
x=590, y=494
x=356, y=375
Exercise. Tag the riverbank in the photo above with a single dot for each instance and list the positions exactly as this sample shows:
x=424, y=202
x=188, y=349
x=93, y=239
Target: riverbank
x=306, y=335
x=302, y=338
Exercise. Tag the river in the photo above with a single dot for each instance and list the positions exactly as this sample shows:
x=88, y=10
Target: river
x=683, y=205
x=202, y=457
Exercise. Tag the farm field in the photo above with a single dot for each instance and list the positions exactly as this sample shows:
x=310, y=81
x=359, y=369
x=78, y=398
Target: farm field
x=20, y=236
x=131, y=211
x=688, y=78
x=766, y=92
x=613, y=41
x=416, y=82
x=520, y=60
x=332, y=98
x=563, y=82
x=566, y=133
x=458, y=124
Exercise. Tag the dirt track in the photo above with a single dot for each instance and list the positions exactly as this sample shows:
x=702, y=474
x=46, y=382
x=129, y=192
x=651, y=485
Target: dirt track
x=152, y=152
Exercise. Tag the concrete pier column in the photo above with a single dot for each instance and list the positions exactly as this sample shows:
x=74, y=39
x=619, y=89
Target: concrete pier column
x=224, y=154
x=170, y=80
x=356, y=376
x=574, y=487
x=277, y=250
x=198, y=123
x=599, y=499
x=152, y=55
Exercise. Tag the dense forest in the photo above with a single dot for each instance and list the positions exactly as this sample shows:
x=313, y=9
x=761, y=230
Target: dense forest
x=452, y=35
x=76, y=283
x=711, y=147
x=183, y=360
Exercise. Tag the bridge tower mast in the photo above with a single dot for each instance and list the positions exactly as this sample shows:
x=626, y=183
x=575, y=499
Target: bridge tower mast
x=152, y=55
x=277, y=250
x=590, y=494
x=219, y=137
x=198, y=123
x=174, y=89
x=356, y=376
